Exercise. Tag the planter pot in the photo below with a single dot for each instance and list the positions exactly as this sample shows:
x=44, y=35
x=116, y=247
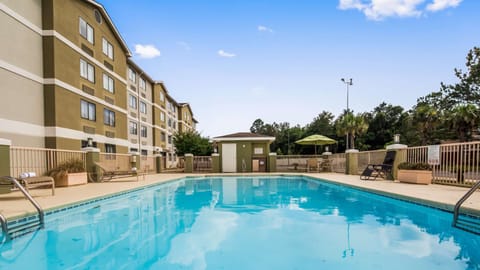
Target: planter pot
x=415, y=177
x=71, y=179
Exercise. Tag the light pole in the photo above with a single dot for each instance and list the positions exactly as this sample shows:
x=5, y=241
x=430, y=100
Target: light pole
x=348, y=83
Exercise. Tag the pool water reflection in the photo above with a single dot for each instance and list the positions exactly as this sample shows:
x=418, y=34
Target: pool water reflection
x=247, y=223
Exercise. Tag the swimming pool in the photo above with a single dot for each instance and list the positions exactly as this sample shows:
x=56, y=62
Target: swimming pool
x=246, y=223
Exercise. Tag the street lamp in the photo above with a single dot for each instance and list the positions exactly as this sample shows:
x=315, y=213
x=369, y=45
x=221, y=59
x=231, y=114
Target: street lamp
x=347, y=83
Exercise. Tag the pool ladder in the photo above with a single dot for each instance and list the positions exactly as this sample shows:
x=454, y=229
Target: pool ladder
x=22, y=228
x=466, y=222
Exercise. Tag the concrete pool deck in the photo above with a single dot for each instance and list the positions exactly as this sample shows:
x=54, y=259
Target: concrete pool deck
x=14, y=205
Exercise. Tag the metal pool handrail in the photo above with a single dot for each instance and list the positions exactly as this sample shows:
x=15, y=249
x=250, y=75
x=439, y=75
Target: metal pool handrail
x=461, y=201
x=3, y=220
x=29, y=197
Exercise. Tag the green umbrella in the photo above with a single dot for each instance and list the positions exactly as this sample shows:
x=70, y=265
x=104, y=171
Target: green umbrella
x=316, y=139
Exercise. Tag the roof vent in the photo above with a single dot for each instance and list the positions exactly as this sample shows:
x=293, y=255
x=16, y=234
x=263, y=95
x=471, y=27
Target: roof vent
x=98, y=16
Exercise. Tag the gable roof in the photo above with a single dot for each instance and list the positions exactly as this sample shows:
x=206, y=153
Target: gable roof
x=244, y=136
x=110, y=23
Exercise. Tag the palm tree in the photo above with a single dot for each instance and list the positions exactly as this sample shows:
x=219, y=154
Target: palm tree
x=351, y=125
x=464, y=119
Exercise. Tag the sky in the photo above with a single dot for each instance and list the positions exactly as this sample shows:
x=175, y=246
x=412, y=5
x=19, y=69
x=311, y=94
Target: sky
x=235, y=61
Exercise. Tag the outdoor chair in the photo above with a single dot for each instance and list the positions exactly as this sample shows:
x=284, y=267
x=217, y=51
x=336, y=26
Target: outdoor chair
x=312, y=163
x=108, y=170
x=30, y=182
x=384, y=170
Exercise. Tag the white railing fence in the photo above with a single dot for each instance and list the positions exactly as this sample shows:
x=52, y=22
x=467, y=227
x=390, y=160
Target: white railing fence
x=39, y=160
x=202, y=163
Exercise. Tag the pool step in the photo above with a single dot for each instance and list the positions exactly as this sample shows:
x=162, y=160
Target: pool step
x=24, y=228
x=468, y=223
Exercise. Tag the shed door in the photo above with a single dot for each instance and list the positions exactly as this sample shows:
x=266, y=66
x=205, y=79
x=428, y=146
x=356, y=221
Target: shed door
x=229, y=157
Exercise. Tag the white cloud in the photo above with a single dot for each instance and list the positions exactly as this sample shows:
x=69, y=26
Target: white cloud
x=223, y=53
x=438, y=5
x=263, y=28
x=146, y=51
x=380, y=9
x=184, y=45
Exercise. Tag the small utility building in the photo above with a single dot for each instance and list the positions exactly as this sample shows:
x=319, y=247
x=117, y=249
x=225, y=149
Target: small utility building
x=243, y=152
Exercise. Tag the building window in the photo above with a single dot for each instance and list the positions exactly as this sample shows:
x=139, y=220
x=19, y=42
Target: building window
x=87, y=71
x=169, y=122
x=162, y=97
x=142, y=83
x=143, y=131
x=143, y=107
x=162, y=116
x=162, y=136
x=132, y=101
x=184, y=116
x=108, y=83
x=174, y=124
x=108, y=117
x=133, y=150
x=132, y=75
x=86, y=30
x=133, y=128
x=144, y=152
x=169, y=157
x=107, y=48
x=110, y=148
x=169, y=139
x=87, y=110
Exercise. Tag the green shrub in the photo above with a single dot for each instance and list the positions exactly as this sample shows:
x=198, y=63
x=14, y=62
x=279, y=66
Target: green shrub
x=414, y=166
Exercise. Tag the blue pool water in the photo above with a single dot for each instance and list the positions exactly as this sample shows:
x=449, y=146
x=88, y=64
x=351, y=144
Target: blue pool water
x=246, y=223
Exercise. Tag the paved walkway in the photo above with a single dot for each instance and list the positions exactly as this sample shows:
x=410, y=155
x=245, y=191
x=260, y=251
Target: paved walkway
x=14, y=205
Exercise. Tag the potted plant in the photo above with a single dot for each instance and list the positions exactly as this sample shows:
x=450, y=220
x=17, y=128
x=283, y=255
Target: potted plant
x=416, y=173
x=69, y=173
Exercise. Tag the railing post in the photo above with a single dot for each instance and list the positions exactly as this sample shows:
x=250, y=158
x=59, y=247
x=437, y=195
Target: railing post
x=158, y=161
x=351, y=166
x=5, y=157
x=92, y=155
x=215, y=163
x=188, y=163
x=272, y=162
x=400, y=156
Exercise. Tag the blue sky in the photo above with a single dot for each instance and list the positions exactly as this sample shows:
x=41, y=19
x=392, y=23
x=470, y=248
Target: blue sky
x=282, y=60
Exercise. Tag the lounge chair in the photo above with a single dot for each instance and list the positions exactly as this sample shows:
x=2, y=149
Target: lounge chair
x=384, y=170
x=312, y=163
x=6, y=186
x=108, y=170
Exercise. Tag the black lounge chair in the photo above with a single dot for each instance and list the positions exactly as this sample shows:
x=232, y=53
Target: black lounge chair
x=384, y=170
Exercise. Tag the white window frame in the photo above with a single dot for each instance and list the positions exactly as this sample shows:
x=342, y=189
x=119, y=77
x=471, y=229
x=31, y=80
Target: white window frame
x=109, y=117
x=142, y=83
x=88, y=110
x=143, y=131
x=162, y=97
x=86, y=30
x=143, y=107
x=162, y=116
x=132, y=75
x=87, y=70
x=108, y=83
x=133, y=128
x=107, y=48
x=132, y=101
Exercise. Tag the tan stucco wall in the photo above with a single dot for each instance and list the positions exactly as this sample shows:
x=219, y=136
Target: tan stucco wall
x=27, y=95
x=30, y=9
x=23, y=139
x=21, y=46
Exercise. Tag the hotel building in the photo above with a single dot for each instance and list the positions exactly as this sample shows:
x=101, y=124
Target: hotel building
x=67, y=75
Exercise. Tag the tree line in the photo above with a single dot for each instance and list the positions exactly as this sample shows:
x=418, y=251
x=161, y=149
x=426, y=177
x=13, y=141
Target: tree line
x=450, y=114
